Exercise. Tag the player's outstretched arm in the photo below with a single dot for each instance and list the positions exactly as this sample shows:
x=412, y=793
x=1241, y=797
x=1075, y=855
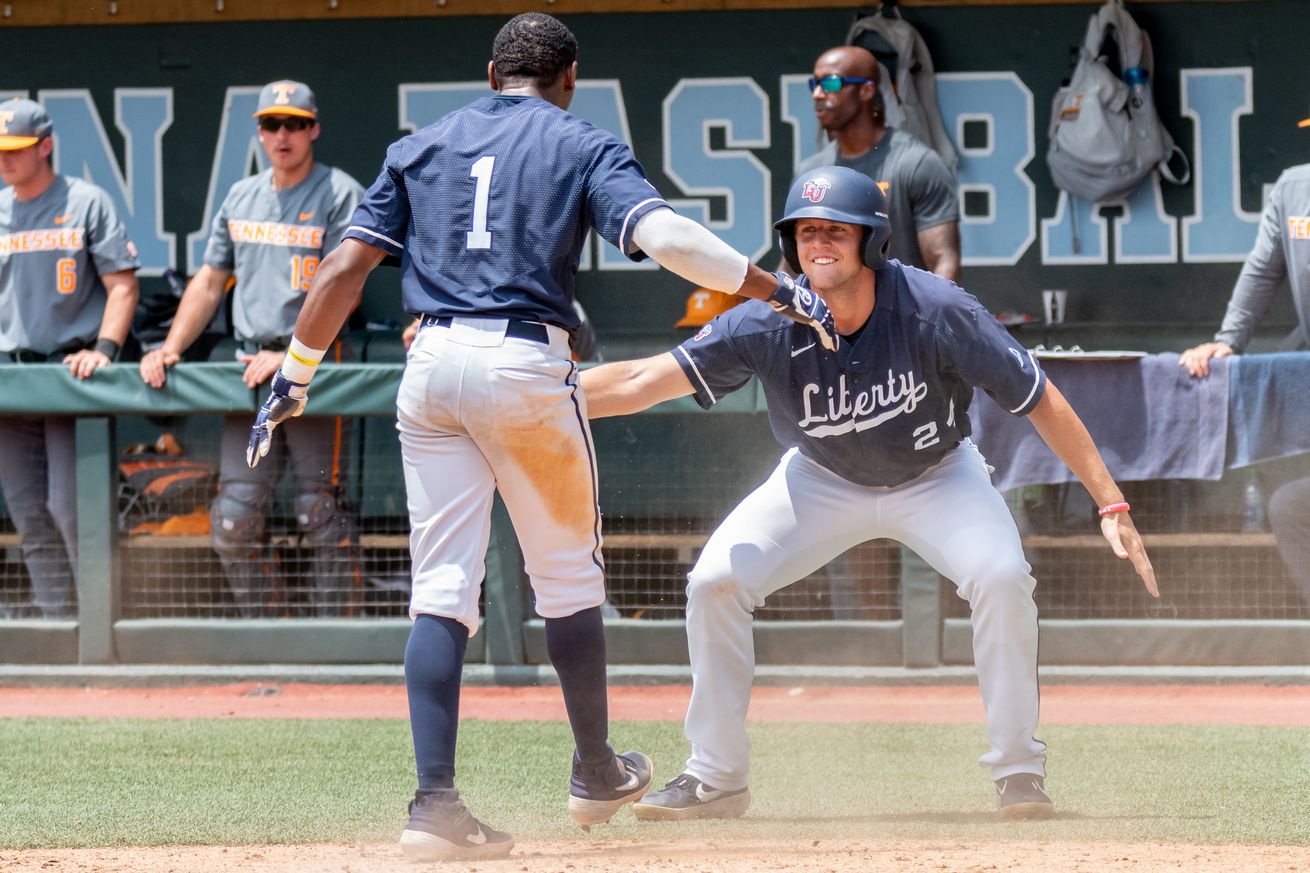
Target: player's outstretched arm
x=626, y=387
x=1061, y=428
x=123, y=294
x=331, y=298
x=682, y=246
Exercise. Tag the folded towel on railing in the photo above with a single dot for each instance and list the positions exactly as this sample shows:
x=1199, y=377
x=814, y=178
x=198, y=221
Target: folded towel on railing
x=1150, y=419
x=1269, y=417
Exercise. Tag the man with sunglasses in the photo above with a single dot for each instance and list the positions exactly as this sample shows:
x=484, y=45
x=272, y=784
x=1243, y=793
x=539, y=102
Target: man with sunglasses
x=916, y=181
x=269, y=235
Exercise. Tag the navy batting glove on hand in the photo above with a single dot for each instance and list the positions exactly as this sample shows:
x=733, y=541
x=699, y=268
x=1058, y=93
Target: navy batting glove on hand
x=285, y=400
x=803, y=305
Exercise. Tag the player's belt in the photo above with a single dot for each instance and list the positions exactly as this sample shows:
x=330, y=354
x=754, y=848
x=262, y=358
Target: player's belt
x=30, y=356
x=528, y=330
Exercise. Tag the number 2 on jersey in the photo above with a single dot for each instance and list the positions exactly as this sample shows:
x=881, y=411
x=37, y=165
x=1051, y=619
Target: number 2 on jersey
x=479, y=237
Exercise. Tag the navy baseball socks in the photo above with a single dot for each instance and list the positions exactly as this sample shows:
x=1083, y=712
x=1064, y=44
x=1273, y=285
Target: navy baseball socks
x=442, y=829
x=1023, y=795
x=596, y=793
x=686, y=797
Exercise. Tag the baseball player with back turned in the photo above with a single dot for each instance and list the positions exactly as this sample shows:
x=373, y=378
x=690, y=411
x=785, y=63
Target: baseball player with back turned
x=877, y=438
x=67, y=291
x=486, y=212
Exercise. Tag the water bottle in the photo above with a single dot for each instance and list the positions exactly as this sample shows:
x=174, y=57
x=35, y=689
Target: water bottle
x=1253, y=508
x=1139, y=100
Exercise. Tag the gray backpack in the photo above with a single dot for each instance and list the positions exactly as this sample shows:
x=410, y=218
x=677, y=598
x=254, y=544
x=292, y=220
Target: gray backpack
x=1105, y=135
x=907, y=82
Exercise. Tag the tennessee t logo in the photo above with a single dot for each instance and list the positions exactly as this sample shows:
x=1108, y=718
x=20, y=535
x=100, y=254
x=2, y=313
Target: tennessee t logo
x=5, y=118
x=884, y=187
x=283, y=93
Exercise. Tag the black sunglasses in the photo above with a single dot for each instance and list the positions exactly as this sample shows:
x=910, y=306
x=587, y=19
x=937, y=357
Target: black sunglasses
x=832, y=83
x=293, y=123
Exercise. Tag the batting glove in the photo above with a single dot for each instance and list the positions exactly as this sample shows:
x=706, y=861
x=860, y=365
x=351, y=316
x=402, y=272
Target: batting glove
x=804, y=306
x=285, y=400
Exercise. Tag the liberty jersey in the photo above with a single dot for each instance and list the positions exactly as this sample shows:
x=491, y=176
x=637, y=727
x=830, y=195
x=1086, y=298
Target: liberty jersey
x=53, y=251
x=487, y=209
x=274, y=240
x=889, y=404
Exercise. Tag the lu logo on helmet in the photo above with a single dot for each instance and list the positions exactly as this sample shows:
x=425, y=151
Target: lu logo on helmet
x=815, y=190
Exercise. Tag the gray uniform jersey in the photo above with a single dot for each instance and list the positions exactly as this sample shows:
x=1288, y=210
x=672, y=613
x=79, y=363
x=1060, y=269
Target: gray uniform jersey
x=274, y=240
x=53, y=251
x=915, y=180
x=1282, y=251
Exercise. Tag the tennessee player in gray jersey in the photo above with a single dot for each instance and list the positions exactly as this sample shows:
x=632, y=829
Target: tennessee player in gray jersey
x=877, y=445
x=67, y=292
x=270, y=233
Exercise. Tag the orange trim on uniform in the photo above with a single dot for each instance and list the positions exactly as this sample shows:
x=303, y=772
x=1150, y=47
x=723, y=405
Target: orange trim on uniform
x=285, y=110
x=14, y=143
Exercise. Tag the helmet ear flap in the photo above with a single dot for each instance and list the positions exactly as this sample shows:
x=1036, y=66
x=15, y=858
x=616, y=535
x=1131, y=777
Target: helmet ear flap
x=787, y=242
x=877, y=244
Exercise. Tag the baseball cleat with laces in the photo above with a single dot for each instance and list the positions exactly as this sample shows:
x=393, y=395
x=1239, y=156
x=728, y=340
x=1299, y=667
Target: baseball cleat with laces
x=595, y=796
x=1023, y=795
x=443, y=829
x=687, y=797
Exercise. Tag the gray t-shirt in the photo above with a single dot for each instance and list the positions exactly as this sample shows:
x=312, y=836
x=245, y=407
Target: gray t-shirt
x=1281, y=251
x=915, y=179
x=274, y=240
x=53, y=251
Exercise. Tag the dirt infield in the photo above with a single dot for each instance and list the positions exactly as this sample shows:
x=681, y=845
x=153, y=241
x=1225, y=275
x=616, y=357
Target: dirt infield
x=955, y=704
x=935, y=704
x=691, y=856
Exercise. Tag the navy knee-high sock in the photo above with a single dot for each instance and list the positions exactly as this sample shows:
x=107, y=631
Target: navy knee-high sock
x=576, y=645
x=434, y=662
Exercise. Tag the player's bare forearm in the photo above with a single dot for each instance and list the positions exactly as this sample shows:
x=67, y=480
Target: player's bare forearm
x=200, y=300
x=123, y=294
x=1062, y=430
x=335, y=292
x=627, y=387
x=940, y=246
x=759, y=284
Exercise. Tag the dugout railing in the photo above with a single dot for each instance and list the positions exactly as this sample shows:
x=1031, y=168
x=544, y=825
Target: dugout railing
x=667, y=476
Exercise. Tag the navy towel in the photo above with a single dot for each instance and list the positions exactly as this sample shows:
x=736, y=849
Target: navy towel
x=1150, y=419
x=1269, y=417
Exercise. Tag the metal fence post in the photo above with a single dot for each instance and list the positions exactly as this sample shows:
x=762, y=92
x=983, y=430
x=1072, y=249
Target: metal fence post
x=97, y=528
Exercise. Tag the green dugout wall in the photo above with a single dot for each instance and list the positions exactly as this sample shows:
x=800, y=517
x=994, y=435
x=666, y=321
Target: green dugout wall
x=715, y=107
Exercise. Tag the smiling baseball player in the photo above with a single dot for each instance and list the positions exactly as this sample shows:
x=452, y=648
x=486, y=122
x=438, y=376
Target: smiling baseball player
x=486, y=212
x=877, y=438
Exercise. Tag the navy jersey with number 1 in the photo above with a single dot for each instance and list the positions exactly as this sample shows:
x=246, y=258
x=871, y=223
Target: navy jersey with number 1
x=487, y=209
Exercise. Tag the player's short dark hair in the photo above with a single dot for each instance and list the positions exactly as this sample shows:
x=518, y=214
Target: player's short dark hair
x=533, y=46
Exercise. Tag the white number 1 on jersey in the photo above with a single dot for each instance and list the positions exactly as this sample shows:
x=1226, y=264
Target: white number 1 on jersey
x=479, y=237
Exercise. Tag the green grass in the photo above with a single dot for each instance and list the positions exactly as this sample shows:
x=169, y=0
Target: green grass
x=75, y=782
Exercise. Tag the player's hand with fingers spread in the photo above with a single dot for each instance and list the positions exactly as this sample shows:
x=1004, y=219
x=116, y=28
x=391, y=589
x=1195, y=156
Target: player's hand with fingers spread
x=1120, y=532
x=1196, y=360
x=82, y=364
x=260, y=366
x=154, y=366
x=286, y=399
x=804, y=306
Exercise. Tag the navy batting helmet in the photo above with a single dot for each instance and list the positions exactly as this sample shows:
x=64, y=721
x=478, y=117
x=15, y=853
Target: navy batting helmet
x=837, y=194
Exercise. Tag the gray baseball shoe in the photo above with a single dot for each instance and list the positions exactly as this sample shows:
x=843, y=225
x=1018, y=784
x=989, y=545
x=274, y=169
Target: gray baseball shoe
x=442, y=829
x=1023, y=795
x=594, y=796
x=686, y=797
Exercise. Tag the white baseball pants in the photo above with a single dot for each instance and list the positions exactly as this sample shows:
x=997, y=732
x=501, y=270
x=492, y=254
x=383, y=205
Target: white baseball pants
x=803, y=517
x=480, y=411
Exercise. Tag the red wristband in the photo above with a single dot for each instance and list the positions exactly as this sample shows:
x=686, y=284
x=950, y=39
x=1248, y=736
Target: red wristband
x=1112, y=508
